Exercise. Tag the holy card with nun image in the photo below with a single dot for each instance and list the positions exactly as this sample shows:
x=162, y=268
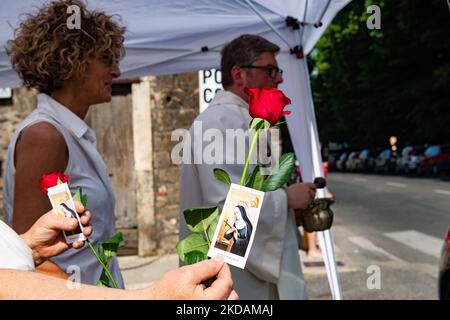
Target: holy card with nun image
x=236, y=229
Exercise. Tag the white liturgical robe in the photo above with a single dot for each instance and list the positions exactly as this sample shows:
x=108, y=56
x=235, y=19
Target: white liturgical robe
x=273, y=269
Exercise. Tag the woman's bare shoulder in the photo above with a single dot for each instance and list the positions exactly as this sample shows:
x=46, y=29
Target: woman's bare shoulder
x=41, y=133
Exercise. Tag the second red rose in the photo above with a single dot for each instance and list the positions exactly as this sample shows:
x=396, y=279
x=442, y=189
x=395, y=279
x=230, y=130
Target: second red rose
x=49, y=180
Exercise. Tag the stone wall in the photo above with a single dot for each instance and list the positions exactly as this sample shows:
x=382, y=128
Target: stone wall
x=134, y=137
x=175, y=106
x=23, y=103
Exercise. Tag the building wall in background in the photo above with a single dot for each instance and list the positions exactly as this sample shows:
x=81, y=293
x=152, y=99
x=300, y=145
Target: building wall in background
x=147, y=196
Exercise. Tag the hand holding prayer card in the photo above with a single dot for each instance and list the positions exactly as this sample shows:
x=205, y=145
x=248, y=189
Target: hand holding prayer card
x=63, y=205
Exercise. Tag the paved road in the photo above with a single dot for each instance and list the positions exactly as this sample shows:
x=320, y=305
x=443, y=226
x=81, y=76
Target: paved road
x=388, y=223
x=392, y=224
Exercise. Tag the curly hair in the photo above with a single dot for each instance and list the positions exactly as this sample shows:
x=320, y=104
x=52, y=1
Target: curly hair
x=46, y=53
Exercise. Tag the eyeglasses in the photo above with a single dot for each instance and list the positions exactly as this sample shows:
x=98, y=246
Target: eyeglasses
x=272, y=70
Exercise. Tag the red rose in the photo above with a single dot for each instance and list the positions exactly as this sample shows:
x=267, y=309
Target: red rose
x=267, y=104
x=51, y=179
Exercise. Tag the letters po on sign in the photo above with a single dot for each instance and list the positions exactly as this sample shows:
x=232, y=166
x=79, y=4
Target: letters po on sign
x=210, y=82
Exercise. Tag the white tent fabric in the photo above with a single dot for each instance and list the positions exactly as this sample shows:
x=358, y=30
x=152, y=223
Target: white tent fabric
x=167, y=36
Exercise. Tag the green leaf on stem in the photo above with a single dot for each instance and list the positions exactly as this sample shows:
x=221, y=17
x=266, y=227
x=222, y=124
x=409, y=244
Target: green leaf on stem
x=193, y=242
x=79, y=196
x=103, y=281
x=199, y=219
x=194, y=257
x=222, y=176
x=84, y=200
x=212, y=228
x=107, y=250
x=255, y=179
x=280, y=174
x=115, y=239
x=259, y=183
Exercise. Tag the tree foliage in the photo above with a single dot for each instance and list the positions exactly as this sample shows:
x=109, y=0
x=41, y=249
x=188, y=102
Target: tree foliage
x=371, y=84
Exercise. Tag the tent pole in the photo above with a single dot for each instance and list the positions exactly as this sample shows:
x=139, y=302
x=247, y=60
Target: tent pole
x=302, y=24
x=319, y=21
x=325, y=254
x=331, y=256
x=324, y=237
x=306, y=9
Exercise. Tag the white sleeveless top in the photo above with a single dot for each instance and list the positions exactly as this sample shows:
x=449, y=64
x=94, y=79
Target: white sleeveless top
x=14, y=253
x=86, y=169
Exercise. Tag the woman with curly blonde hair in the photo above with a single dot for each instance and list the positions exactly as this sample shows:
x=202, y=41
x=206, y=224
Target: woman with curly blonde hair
x=72, y=68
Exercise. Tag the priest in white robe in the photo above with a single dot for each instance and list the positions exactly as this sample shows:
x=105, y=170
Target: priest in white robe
x=273, y=269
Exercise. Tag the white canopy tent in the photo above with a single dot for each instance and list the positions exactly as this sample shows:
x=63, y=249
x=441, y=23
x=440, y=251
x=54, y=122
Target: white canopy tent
x=174, y=36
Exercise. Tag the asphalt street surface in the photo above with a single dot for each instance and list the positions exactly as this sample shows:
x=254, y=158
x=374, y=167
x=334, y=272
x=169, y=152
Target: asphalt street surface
x=388, y=232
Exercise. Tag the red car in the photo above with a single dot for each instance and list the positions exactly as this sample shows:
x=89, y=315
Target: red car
x=436, y=160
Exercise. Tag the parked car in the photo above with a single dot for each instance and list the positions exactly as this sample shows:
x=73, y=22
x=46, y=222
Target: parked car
x=436, y=160
x=385, y=162
x=444, y=270
x=409, y=159
x=340, y=163
x=402, y=159
x=366, y=161
x=352, y=161
x=414, y=159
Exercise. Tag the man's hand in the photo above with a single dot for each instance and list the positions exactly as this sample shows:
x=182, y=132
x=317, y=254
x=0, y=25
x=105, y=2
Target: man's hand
x=45, y=238
x=185, y=283
x=300, y=195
